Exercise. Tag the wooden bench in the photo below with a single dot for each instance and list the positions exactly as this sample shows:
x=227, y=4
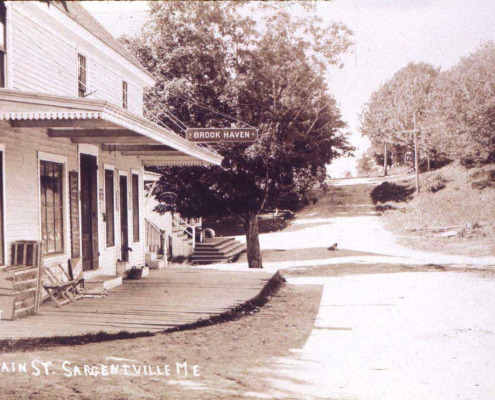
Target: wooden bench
x=61, y=288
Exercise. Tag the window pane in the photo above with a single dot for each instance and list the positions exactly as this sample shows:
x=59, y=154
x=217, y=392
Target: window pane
x=51, y=207
x=2, y=36
x=3, y=46
x=3, y=20
x=82, y=75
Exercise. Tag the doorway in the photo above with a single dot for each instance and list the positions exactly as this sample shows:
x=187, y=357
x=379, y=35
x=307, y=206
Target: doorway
x=89, y=211
x=124, y=219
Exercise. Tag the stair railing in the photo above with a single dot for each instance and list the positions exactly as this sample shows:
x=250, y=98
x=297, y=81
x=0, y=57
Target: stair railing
x=156, y=241
x=190, y=230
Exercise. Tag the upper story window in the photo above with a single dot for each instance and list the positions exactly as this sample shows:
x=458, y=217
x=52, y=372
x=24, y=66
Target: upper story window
x=3, y=43
x=81, y=75
x=124, y=95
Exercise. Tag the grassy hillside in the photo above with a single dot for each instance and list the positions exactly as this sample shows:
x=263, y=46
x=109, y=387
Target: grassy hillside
x=459, y=200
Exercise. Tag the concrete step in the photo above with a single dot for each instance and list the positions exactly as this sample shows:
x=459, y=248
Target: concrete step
x=222, y=250
x=103, y=282
x=213, y=257
x=224, y=242
x=159, y=263
x=151, y=256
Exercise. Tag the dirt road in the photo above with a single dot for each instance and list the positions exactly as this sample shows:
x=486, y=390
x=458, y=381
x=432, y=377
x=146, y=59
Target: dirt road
x=382, y=330
x=389, y=327
x=347, y=216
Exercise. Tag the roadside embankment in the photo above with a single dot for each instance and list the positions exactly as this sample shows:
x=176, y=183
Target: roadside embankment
x=454, y=213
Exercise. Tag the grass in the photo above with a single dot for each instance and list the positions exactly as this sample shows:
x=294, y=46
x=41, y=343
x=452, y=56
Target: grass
x=452, y=197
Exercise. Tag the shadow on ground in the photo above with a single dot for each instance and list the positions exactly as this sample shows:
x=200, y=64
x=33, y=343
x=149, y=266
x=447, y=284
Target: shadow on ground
x=389, y=191
x=313, y=253
x=233, y=226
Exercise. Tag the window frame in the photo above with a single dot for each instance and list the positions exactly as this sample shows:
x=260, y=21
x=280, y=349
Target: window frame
x=110, y=168
x=82, y=87
x=57, y=159
x=4, y=51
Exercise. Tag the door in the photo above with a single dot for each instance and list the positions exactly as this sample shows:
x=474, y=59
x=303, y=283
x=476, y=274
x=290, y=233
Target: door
x=124, y=219
x=89, y=211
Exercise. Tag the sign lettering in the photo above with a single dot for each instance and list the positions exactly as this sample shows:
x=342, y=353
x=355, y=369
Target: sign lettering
x=209, y=135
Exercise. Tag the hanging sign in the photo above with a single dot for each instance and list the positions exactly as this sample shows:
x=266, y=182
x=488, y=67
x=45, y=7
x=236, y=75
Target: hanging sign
x=211, y=135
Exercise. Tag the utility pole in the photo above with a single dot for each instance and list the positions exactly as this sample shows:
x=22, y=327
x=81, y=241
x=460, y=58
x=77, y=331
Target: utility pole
x=416, y=153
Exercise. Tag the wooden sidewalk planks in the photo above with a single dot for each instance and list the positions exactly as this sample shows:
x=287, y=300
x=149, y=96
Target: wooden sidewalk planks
x=165, y=299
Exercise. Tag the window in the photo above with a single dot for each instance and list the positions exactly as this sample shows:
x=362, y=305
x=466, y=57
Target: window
x=3, y=44
x=52, y=207
x=81, y=75
x=109, y=207
x=124, y=94
x=135, y=207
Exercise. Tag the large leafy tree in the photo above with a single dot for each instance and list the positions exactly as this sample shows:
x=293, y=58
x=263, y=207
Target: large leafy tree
x=388, y=116
x=462, y=108
x=217, y=66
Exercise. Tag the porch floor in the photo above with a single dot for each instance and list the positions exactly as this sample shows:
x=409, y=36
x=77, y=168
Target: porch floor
x=166, y=298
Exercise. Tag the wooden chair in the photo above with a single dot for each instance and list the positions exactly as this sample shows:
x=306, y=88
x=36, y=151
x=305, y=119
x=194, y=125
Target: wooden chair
x=59, y=285
x=76, y=271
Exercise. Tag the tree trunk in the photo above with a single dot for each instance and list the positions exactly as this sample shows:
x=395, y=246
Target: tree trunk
x=253, y=242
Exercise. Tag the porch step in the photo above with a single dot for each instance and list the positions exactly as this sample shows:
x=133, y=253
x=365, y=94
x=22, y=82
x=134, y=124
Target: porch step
x=103, y=282
x=217, y=250
x=224, y=249
x=153, y=262
x=215, y=243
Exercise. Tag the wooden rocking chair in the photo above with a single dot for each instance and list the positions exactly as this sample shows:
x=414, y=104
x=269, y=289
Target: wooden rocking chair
x=60, y=287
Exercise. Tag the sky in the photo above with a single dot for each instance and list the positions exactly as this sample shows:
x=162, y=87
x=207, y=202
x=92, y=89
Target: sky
x=388, y=34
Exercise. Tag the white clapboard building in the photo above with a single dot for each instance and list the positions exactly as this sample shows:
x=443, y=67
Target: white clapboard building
x=73, y=139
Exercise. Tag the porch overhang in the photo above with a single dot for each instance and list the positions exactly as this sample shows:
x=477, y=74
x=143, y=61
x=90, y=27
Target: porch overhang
x=100, y=123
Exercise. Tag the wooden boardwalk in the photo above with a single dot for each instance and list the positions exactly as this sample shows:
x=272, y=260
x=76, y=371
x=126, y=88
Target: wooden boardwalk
x=166, y=298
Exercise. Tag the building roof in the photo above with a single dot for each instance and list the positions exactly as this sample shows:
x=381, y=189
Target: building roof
x=84, y=18
x=111, y=123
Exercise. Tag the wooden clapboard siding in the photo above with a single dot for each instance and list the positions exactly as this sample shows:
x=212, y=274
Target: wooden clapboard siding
x=41, y=61
x=45, y=61
x=22, y=209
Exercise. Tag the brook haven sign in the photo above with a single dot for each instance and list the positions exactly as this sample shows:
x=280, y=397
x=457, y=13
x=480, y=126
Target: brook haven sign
x=209, y=135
